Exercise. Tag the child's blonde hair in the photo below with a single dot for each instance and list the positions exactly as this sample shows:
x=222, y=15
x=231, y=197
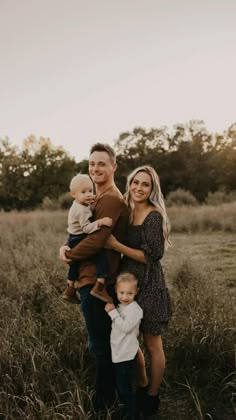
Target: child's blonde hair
x=127, y=277
x=77, y=180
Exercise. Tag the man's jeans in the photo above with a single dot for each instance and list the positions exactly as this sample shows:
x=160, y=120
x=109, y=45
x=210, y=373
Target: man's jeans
x=98, y=324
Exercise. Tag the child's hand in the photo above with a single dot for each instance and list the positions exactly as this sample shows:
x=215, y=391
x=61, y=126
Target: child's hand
x=106, y=221
x=92, y=198
x=109, y=307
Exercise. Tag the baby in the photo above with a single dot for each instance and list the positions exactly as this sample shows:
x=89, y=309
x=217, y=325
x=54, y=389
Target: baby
x=79, y=226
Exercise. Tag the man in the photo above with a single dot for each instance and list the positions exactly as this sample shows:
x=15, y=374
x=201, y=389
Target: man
x=108, y=203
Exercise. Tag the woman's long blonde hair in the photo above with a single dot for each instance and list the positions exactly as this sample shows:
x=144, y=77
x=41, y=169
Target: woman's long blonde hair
x=156, y=199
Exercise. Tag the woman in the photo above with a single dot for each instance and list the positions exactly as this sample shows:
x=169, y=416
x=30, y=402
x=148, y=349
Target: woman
x=147, y=238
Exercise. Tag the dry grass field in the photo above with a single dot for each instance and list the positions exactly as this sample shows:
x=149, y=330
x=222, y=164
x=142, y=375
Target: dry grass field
x=46, y=370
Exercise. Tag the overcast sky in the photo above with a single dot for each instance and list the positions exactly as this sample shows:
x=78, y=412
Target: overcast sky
x=84, y=71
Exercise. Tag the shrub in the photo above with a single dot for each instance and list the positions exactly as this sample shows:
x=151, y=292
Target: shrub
x=181, y=197
x=65, y=200
x=220, y=197
x=49, y=204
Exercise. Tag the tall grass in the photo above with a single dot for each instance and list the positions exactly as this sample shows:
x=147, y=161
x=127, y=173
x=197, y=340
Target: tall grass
x=46, y=369
x=203, y=218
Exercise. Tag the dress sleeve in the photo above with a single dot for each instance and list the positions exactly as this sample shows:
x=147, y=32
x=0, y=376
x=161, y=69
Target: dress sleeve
x=152, y=237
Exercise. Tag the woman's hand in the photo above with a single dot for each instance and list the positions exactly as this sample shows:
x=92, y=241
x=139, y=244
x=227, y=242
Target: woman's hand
x=111, y=242
x=62, y=253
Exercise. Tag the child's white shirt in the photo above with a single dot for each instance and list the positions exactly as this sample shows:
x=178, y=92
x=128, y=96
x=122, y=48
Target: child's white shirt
x=79, y=219
x=125, y=330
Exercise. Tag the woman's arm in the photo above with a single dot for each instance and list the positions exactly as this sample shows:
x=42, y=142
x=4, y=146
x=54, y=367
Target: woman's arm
x=134, y=254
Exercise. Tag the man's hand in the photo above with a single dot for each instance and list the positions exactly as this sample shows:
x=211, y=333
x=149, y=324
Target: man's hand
x=109, y=307
x=62, y=253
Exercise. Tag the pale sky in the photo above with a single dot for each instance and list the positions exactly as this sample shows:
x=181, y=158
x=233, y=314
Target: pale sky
x=85, y=71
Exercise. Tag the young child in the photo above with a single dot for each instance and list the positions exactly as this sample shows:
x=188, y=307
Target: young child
x=79, y=225
x=126, y=319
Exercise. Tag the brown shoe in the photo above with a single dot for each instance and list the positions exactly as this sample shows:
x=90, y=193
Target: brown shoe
x=71, y=295
x=99, y=291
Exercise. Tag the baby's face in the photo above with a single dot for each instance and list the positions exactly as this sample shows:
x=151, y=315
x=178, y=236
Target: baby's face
x=84, y=192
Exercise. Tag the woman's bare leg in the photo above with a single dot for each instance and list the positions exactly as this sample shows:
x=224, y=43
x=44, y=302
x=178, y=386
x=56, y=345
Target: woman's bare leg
x=153, y=344
x=141, y=373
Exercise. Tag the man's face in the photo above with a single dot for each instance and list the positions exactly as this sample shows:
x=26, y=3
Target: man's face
x=101, y=168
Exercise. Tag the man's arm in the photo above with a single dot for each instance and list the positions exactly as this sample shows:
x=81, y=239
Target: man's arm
x=107, y=206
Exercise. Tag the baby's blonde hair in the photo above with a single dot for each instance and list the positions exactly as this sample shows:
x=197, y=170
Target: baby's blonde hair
x=77, y=180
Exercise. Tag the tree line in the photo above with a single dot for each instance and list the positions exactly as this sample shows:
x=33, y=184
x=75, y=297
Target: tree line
x=187, y=156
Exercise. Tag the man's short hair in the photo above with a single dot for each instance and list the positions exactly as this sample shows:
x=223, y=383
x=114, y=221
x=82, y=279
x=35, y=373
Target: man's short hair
x=104, y=147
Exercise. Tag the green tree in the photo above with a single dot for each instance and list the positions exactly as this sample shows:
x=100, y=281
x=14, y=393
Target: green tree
x=39, y=170
x=137, y=148
x=13, y=191
x=187, y=157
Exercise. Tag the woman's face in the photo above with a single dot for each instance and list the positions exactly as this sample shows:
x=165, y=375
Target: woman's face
x=141, y=187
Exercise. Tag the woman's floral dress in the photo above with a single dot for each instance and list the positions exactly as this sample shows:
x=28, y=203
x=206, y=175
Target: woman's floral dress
x=153, y=295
